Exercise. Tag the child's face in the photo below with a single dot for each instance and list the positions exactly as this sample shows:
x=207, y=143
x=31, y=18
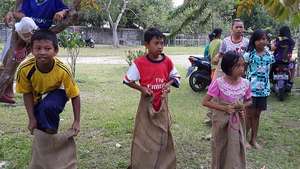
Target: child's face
x=155, y=46
x=261, y=43
x=26, y=36
x=239, y=68
x=238, y=28
x=43, y=51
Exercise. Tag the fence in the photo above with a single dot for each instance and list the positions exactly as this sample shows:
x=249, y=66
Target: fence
x=127, y=36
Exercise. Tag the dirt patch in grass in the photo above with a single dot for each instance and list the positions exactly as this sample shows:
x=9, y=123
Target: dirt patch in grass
x=291, y=124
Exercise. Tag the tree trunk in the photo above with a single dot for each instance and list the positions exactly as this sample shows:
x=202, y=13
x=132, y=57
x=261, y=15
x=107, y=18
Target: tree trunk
x=115, y=35
x=114, y=25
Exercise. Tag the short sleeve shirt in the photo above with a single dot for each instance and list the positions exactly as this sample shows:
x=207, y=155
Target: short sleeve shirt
x=258, y=72
x=228, y=45
x=42, y=11
x=153, y=75
x=31, y=80
x=230, y=93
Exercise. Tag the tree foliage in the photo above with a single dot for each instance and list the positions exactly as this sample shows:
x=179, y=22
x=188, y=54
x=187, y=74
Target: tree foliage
x=260, y=19
x=150, y=13
x=190, y=11
x=5, y=6
x=72, y=42
x=279, y=9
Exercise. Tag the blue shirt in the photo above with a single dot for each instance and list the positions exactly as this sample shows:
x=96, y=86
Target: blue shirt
x=42, y=11
x=258, y=72
x=206, y=53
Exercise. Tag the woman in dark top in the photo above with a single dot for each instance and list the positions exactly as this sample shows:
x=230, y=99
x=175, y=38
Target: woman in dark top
x=283, y=48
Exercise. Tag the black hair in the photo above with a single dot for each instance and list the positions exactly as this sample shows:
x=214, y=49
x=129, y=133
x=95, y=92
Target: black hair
x=256, y=35
x=151, y=33
x=215, y=33
x=229, y=60
x=236, y=20
x=285, y=31
x=211, y=37
x=45, y=35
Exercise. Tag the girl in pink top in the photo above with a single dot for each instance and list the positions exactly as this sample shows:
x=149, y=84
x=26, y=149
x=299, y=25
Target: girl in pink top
x=228, y=96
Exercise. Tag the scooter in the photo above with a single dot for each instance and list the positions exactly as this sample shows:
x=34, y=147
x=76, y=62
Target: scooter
x=89, y=42
x=199, y=73
x=281, y=80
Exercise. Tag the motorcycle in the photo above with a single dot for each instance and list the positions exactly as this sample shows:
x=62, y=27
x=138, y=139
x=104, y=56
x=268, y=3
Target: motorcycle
x=281, y=79
x=199, y=73
x=89, y=42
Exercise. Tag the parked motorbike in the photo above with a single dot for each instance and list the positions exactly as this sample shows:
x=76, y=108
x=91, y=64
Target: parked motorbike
x=199, y=73
x=89, y=42
x=282, y=79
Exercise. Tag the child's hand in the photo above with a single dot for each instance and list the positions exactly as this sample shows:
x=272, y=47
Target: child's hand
x=32, y=125
x=242, y=114
x=76, y=127
x=166, y=88
x=239, y=107
x=146, y=92
x=59, y=15
x=230, y=109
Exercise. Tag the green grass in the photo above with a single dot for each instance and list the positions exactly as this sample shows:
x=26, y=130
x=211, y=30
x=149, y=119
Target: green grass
x=108, y=50
x=108, y=112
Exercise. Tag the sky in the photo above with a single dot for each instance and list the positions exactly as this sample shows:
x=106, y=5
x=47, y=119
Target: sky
x=177, y=2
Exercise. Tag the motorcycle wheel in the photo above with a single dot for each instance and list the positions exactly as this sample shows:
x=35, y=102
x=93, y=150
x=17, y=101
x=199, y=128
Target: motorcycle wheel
x=197, y=83
x=91, y=45
x=281, y=94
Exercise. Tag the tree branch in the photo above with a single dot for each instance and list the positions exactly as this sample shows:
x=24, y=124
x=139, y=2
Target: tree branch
x=125, y=2
x=106, y=8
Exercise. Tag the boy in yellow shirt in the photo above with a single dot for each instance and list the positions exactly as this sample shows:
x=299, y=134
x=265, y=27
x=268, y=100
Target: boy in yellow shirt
x=47, y=84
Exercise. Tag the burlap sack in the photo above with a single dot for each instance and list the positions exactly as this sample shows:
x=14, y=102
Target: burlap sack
x=152, y=145
x=228, y=141
x=53, y=151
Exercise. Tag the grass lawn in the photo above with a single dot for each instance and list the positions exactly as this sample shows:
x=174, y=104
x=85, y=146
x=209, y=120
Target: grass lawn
x=107, y=50
x=108, y=111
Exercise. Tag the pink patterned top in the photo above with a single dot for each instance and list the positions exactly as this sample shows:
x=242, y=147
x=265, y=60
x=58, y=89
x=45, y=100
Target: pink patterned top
x=221, y=89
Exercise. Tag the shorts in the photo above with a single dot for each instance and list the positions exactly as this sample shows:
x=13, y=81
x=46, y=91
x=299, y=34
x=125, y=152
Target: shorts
x=259, y=103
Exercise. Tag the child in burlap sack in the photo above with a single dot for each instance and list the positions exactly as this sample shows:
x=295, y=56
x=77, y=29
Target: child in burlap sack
x=152, y=145
x=46, y=84
x=228, y=96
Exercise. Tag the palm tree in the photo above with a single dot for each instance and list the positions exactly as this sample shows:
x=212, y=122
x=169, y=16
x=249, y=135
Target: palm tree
x=190, y=11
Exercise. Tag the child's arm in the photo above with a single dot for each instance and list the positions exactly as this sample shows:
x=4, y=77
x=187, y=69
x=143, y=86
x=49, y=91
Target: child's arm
x=14, y=13
x=76, y=111
x=248, y=103
x=29, y=105
x=207, y=102
x=144, y=90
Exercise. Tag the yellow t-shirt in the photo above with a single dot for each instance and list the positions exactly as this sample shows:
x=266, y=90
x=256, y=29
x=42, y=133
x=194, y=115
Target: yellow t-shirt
x=30, y=79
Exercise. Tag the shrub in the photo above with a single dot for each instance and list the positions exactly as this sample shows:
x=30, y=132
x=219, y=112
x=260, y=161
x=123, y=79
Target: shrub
x=133, y=54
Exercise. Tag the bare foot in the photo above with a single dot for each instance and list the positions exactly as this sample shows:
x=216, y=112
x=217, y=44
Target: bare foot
x=248, y=146
x=256, y=145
